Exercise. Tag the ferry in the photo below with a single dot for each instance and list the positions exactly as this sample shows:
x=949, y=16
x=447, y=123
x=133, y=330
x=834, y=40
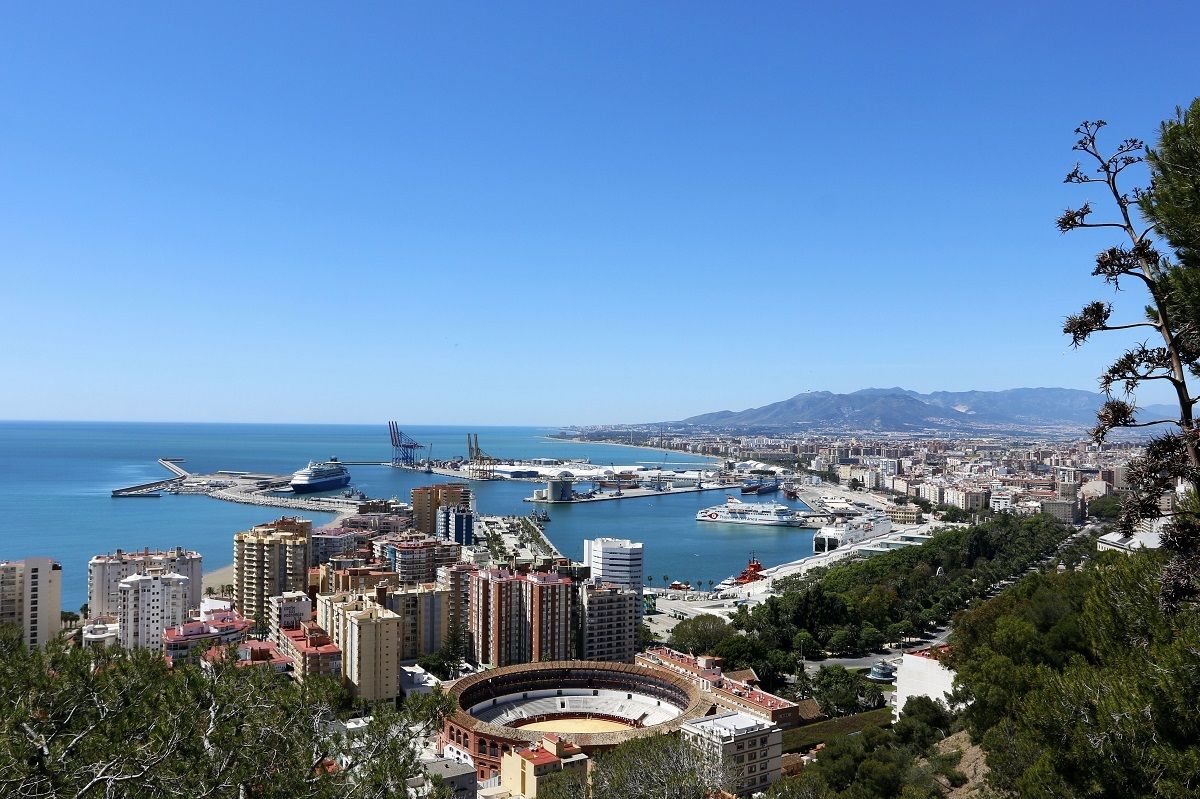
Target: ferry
x=843, y=531
x=734, y=511
x=320, y=477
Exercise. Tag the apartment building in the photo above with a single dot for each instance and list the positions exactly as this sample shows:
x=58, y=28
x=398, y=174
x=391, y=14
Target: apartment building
x=427, y=499
x=217, y=628
x=520, y=618
x=149, y=603
x=268, y=560
x=742, y=753
x=425, y=611
x=105, y=573
x=369, y=636
x=608, y=620
x=287, y=611
x=31, y=598
x=312, y=651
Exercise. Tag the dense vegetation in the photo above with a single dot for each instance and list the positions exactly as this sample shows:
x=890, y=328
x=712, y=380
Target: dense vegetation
x=861, y=605
x=108, y=723
x=1081, y=684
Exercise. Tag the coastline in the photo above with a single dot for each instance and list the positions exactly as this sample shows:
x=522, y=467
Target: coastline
x=713, y=458
x=217, y=578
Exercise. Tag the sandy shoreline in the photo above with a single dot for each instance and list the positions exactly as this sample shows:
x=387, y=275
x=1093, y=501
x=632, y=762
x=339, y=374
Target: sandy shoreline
x=218, y=577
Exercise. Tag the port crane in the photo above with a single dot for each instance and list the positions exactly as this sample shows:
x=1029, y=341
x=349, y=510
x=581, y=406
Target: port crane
x=404, y=447
x=480, y=465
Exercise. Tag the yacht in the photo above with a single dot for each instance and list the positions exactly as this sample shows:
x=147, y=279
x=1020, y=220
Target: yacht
x=734, y=511
x=320, y=477
x=844, y=530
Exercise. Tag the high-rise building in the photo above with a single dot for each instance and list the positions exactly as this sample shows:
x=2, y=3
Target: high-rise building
x=416, y=558
x=427, y=499
x=369, y=636
x=147, y=604
x=31, y=598
x=456, y=523
x=456, y=579
x=616, y=561
x=268, y=560
x=520, y=618
x=742, y=753
x=105, y=573
x=425, y=610
x=608, y=622
x=329, y=542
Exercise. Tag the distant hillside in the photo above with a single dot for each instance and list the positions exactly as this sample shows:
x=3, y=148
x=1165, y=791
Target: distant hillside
x=898, y=409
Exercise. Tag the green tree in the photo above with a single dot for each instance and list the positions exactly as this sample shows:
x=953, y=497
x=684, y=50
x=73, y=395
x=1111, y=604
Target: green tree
x=656, y=767
x=701, y=634
x=837, y=690
x=1171, y=289
x=225, y=733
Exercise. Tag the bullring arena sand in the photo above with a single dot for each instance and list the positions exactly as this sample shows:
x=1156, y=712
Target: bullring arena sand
x=577, y=725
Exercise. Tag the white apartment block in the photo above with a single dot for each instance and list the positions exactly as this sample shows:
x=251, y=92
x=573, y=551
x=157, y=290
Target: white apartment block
x=31, y=598
x=742, y=753
x=614, y=560
x=287, y=610
x=149, y=603
x=105, y=573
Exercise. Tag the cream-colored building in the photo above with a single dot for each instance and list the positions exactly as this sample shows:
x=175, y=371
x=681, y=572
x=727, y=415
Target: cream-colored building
x=287, y=612
x=31, y=598
x=425, y=610
x=105, y=573
x=369, y=636
x=269, y=560
x=521, y=770
x=742, y=753
x=149, y=603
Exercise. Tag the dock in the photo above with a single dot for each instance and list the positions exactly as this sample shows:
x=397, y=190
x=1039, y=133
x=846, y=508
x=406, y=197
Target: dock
x=152, y=489
x=246, y=488
x=634, y=493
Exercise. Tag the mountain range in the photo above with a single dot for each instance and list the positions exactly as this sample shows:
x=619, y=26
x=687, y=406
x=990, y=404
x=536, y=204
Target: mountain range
x=902, y=410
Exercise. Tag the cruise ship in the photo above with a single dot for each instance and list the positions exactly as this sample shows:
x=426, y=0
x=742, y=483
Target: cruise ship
x=320, y=477
x=845, y=531
x=734, y=511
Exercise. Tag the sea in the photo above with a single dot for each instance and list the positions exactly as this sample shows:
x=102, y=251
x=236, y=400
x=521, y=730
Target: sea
x=56, y=480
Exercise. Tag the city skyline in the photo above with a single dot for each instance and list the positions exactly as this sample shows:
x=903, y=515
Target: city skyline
x=549, y=215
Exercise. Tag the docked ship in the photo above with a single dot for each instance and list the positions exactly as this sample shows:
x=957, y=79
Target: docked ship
x=734, y=511
x=845, y=531
x=751, y=574
x=320, y=477
x=791, y=492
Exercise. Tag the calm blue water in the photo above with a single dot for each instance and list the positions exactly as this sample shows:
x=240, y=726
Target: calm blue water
x=56, y=479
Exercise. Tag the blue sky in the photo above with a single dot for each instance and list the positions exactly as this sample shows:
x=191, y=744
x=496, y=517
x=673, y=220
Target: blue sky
x=551, y=213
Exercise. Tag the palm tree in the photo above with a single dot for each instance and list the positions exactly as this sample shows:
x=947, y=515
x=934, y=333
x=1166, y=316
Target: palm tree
x=710, y=585
x=84, y=610
x=667, y=580
x=209, y=591
x=650, y=580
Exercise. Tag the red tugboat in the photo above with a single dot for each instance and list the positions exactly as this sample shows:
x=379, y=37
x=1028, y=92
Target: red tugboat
x=752, y=572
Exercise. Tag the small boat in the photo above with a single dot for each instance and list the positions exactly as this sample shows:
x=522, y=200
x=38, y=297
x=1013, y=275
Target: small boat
x=678, y=586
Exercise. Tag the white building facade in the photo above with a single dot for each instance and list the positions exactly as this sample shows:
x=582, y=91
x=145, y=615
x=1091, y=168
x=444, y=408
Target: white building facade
x=743, y=754
x=105, y=573
x=147, y=604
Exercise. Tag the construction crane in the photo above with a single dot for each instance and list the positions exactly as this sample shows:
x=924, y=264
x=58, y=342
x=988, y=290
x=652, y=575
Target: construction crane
x=404, y=448
x=480, y=465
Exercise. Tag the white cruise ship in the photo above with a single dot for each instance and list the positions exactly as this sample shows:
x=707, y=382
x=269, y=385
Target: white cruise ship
x=320, y=477
x=734, y=511
x=845, y=531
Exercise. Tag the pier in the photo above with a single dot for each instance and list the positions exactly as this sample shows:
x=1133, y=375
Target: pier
x=152, y=489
